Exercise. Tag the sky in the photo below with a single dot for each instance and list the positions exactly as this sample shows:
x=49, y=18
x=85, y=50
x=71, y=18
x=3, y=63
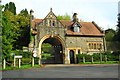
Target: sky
x=103, y=12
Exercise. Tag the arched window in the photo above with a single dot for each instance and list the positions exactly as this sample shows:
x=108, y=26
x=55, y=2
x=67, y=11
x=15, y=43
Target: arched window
x=90, y=46
x=100, y=46
x=95, y=46
x=50, y=23
x=53, y=23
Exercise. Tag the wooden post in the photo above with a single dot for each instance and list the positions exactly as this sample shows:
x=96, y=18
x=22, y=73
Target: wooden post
x=100, y=57
x=119, y=58
x=33, y=61
x=105, y=58
x=92, y=59
x=4, y=64
x=39, y=61
x=14, y=62
x=83, y=59
x=19, y=63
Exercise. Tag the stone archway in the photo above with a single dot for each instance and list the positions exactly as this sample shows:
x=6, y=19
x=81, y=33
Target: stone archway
x=59, y=49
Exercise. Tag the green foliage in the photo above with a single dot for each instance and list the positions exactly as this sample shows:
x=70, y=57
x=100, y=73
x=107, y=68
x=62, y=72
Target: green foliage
x=46, y=55
x=96, y=57
x=46, y=47
x=111, y=40
x=15, y=30
x=11, y=7
x=110, y=34
x=103, y=62
x=64, y=17
x=22, y=67
x=23, y=31
x=118, y=29
x=27, y=55
x=8, y=34
x=24, y=12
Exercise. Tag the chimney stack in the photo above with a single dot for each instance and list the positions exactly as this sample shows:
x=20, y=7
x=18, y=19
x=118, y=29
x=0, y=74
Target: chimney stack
x=75, y=18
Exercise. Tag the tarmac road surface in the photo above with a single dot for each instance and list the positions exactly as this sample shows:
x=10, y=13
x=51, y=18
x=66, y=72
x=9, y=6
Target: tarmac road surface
x=80, y=71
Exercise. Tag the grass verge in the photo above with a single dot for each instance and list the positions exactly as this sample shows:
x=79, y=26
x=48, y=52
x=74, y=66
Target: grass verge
x=103, y=62
x=22, y=67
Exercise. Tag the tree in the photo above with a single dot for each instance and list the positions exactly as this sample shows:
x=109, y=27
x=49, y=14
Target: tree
x=64, y=17
x=24, y=12
x=24, y=31
x=8, y=33
x=15, y=32
x=118, y=28
x=111, y=40
x=110, y=34
x=11, y=7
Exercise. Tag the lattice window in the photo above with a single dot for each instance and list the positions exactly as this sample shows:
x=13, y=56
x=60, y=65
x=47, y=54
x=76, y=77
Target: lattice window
x=95, y=45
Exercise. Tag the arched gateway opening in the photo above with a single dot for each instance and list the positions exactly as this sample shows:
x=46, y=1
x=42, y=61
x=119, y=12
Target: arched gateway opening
x=51, y=51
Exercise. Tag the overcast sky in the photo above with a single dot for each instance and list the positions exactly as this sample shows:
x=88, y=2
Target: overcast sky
x=103, y=12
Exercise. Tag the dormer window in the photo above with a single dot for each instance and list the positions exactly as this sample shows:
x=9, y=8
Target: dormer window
x=76, y=28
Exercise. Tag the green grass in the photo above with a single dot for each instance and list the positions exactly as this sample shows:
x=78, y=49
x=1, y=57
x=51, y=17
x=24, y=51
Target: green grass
x=103, y=62
x=30, y=66
x=22, y=67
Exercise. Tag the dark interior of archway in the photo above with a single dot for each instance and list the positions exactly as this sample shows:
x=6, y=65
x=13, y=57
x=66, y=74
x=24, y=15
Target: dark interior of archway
x=52, y=51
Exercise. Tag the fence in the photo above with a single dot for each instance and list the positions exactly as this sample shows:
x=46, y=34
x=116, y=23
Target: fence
x=83, y=58
x=19, y=62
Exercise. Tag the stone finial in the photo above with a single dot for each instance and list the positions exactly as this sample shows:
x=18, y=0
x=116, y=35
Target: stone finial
x=51, y=9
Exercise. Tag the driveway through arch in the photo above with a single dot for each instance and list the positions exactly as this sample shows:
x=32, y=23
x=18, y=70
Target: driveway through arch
x=53, y=54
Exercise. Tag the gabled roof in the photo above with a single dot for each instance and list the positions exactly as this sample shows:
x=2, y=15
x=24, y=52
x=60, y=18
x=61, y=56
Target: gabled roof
x=35, y=22
x=87, y=29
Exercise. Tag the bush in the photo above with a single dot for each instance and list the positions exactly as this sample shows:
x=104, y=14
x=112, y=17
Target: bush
x=27, y=55
x=80, y=57
x=96, y=57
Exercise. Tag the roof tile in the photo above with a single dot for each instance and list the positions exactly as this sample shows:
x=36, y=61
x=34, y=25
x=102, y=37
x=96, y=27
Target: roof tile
x=88, y=28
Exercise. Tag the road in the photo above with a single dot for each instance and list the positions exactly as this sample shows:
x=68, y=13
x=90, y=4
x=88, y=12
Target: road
x=82, y=71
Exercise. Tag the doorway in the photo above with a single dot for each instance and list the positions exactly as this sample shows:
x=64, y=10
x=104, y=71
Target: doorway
x=72, y=56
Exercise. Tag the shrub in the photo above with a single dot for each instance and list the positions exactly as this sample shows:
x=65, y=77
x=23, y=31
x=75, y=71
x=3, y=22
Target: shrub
x=96, y=57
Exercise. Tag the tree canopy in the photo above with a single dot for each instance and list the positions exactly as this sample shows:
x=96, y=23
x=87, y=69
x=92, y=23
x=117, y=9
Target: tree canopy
x=64, y=17
x=110, y=34
x=118, y=28
x=11, y=7
x=15, y=29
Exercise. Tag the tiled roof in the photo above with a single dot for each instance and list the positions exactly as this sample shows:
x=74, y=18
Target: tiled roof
x=88, y=28
x=35, y=21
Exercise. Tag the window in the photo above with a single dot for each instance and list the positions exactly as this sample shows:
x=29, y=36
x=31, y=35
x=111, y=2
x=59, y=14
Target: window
x=50, y=23
x=90, y=46
x=76, y=28
x=95, y=45
x=53, y=23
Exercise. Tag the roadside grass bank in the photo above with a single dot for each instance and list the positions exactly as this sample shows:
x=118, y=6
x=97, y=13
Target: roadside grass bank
x=22, y=67
x=103, y=62
x=30, y=66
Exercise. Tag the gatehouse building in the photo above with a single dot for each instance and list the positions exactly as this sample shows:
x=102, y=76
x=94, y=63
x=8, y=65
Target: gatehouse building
x=68, y=38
